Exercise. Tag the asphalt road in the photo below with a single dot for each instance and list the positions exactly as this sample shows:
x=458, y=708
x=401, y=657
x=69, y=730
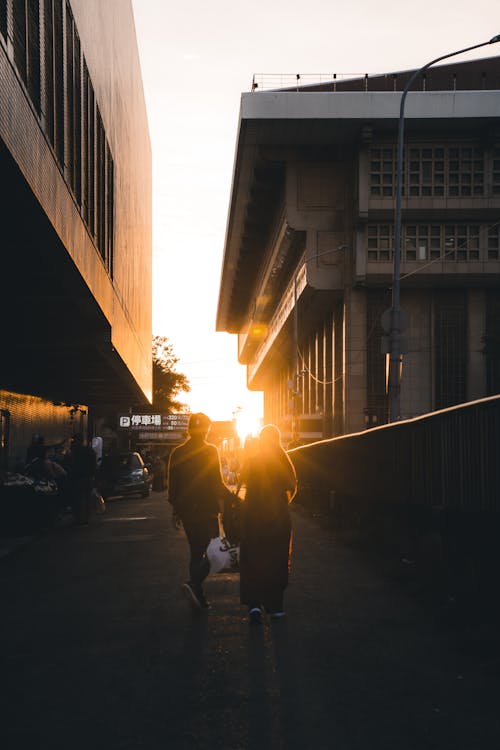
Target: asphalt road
x=100, y=650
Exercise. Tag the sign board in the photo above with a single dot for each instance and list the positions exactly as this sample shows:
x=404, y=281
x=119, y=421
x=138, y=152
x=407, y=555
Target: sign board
x=164, y=427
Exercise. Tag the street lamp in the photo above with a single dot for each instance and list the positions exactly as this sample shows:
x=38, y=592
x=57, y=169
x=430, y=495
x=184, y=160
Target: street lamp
x=395, y=353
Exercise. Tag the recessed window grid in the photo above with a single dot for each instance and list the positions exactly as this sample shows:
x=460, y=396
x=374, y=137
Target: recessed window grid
x=380, y=241
x=421, y=241
x=496, y=172
x=462, y=242
x=494, y=243
x=383, y=172
x=433, y=171
x=427, y=242
x=51, y=64
x=426, y=172
x=466, y=171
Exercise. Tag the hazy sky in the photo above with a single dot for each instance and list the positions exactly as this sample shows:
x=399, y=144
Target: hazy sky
x=197, y=58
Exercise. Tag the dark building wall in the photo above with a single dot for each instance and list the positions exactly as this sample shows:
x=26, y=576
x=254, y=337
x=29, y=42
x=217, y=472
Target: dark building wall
x=24, y=416
x=75, y=262
x=72, y=118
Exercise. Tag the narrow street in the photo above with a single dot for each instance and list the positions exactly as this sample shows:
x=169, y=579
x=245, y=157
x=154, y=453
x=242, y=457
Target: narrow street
x=100, y=650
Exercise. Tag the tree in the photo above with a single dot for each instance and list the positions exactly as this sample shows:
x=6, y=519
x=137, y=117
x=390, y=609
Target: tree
x=167, y=382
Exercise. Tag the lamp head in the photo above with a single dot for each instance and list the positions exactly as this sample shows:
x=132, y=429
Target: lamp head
x=495, y=39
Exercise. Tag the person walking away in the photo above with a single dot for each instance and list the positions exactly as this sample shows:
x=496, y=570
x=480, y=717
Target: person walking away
x=82, y=470
x=196, y=492
x=35, y=458
x=266, y=540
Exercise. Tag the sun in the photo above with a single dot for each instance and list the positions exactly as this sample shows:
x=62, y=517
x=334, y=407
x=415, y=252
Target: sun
x=247, y=425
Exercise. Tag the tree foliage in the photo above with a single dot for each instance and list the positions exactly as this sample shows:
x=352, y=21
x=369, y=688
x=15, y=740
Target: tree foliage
x=167, y=382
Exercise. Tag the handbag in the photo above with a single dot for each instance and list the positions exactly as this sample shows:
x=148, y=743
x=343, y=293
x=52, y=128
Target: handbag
x=223, y=555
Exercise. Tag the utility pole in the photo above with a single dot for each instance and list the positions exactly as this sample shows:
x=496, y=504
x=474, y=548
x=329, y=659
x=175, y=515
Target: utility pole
x=394, y=318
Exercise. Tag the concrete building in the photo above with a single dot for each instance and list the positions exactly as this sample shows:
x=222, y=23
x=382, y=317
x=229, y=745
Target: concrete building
x=308, y=262
x=75, y=161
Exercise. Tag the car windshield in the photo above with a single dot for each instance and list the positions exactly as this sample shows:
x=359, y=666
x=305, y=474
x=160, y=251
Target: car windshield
x=122, y=462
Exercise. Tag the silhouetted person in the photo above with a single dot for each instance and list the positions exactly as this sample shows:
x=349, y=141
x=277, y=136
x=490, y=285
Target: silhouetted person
x=82, y=470
x=271, y=484
x=35, y=457
x=196, y=491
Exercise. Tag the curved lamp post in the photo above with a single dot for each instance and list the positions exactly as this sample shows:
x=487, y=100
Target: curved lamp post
x=395, y=354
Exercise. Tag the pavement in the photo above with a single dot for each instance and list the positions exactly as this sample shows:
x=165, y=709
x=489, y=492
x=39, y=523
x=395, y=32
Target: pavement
x=101, y=650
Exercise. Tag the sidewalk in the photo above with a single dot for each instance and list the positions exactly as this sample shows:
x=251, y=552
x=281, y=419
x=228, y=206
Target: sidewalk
x=100, y=650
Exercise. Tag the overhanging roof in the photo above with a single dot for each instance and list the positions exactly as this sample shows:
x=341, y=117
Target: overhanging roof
x=290, y=119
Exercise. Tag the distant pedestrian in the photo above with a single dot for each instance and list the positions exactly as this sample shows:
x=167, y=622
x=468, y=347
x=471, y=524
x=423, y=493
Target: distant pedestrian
x=197, y=492
x=82, y=464
x=35, y=457
x=271, y=484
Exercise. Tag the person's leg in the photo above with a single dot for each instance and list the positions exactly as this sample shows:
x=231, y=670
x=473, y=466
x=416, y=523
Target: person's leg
x=199, y=536
x=274, y=603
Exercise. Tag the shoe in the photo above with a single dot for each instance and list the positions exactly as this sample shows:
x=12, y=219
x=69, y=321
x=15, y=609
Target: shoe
x=203, y=602
x=191, y=596
x=277, y=615
x=254, y=616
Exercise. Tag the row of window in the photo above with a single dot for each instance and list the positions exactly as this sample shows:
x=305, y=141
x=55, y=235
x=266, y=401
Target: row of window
x=42, y=40
x=436, y=171
x=422, y=242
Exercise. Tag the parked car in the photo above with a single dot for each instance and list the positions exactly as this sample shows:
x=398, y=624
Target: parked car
x=124, y=474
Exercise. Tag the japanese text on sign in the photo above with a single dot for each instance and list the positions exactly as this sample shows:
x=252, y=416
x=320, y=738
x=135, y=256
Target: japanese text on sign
x=154, y=422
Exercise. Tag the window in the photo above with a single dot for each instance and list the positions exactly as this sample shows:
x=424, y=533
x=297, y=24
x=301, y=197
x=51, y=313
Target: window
x=68, y=110
x=380, y=241
x=383, y=172
x=466, y=171
x=433, y=171
x=19, y=33
x=33, y=52
x=461, y=242
x=48, y=102
x=57, y=69
x=424, y=242
x=426, y=171
x=496, y=171
x=26, y=43
x=421, y=241
x=493, y=243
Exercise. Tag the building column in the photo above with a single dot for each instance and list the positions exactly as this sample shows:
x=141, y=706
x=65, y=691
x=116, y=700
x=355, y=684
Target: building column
x=355, y=360
x=476, y=331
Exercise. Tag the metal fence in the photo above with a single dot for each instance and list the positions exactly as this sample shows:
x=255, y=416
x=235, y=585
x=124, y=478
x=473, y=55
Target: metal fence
x=446, y=460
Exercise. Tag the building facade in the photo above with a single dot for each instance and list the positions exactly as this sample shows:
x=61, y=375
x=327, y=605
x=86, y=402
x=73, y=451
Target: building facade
x=75, y=160
x=308, y=260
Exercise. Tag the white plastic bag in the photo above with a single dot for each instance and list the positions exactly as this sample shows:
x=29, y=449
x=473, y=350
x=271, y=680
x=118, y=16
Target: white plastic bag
x=222, y=555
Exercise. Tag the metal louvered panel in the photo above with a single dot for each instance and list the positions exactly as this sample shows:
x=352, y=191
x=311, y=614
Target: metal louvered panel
x=48, y=77
x=19, y=32
x=33, y=52
x=58, y=72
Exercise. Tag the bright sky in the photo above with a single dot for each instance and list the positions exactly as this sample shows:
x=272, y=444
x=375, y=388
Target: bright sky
x=197, y=57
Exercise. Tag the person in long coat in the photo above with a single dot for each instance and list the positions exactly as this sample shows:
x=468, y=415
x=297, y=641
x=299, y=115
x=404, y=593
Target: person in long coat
x=266, y=541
